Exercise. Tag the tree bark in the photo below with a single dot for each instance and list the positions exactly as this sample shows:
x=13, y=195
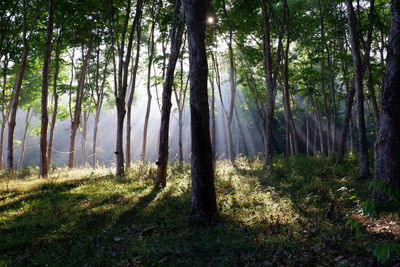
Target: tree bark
x=387, y=146
x=121, y=90
x=4, y=110
x=363, y=160
x=149, y=96
x=44, y=163
x=269, y=82
x=16, y=94
x=55, y=101
x=176, y=42
x=28, y=118
x=131, y=94
x=204, y=207
x=78, y=106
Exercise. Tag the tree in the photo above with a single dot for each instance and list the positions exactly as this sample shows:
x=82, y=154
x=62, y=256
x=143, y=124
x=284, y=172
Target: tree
x=122, y=80
x=76, y=116
x=387, y=145
x=363, y=161
x=269, y=82
x=176, y=43
x=204, y=207
x=44, y=163
x=19, y=78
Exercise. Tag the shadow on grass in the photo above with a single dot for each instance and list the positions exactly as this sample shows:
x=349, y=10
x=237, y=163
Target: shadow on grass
x=150, y=227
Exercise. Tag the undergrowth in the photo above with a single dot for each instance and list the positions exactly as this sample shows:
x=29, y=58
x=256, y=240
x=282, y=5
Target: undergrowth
x=303, y=211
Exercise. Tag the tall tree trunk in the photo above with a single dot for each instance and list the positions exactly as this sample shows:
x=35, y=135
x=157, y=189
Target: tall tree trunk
x=176, y=42
x=346, y=123
x=121, y=90
x=16, y=94
x=131, y=94
x=213, y=126
x=180, y=100
x=149, y=96
x=387, y=146
x=99, y=104
x=78, y=106
x=269, y=82
x=28, y=118
x=55, y=101
x=204, y=207
x=44, y=163
x=307, y=130
x=4, y=110
x=84, y=130
x=232, y=83
x=363, y=160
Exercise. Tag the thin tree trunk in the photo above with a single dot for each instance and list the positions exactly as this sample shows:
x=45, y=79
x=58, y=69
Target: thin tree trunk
x=149, y=96
x=84, y=130
x=387, y=146
x=17, y=92
x=4, y=110
x=28, y=118
x=204, y=207
x=307, y=131
x=131, y=94
x=44, y=163
x=363, y=160
x=269, y=82
x=55, y=101
x=176, y=42
x=121, y=90
x=78, y=106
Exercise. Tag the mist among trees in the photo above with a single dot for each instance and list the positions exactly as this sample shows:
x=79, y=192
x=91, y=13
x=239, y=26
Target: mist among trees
x=200, y=132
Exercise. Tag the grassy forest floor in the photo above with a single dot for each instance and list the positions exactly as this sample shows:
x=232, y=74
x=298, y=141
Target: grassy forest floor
x=297, y=213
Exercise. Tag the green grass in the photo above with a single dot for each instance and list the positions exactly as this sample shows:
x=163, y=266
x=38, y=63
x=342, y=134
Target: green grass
x=293, y=214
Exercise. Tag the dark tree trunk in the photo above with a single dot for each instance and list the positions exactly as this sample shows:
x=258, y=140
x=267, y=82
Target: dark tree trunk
x=84, y=130
x=4, y=110
x=55, y=102
x=204, y=207
x=180, y=100
x=131, y=94
x=232, y=83
x=121, y=90
x=78, y=106
x=176, y=42
x=149, y=96
x=44, y=163
x=363, y=160
x=15, y=97
x=387, y=146
x=269, y=82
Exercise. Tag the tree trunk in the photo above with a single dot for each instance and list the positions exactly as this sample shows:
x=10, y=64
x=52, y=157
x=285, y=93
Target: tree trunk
x=28, y=118
x=131, y=94
x=204, y=207
x=55, y=102
x=363, y=160
x=149, y=96
x=15, y=99
x=4, y=110
x=176, y=42
x=84, y=130
x=387, y=146
x=78, y=107
x=232, y=83
x=269, y=82
x=121, y=90
x=44, y=163
x=346, y=123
